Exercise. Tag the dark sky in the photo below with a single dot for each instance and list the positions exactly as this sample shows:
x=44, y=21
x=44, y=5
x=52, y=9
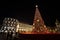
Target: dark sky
x=24, y=10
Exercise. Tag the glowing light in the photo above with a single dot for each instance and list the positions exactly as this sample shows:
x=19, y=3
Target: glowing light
x=6, y=31
x=13, y=31
x=8, y=28
x=12, y=22
x=33, y=27
x=36, y=5
x=8, y=21
x=12, y=28
x=38, y=31
x=13, y=34
x=2, y=30
x=10, y=31
x=8, y=18
x=44, y=26
x=33, y=23
x=13, y=25
x=55, y=29
x=14, y=19
x=22, y=29
x=38, y=20
x=5, y=27
x=17, y=28
x=8, y=24
x=50, y=30
x=11, y=18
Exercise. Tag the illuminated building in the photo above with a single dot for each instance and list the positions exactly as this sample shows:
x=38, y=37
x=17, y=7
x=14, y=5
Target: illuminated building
x=9, y=25
x=23, y=28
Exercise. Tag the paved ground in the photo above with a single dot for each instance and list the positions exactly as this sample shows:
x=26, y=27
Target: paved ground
x=33, y=37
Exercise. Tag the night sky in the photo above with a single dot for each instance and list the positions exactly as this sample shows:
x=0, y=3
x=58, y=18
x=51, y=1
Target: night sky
x=24, y=10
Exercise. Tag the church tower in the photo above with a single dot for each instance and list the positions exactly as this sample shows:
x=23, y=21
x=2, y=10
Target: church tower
x=38, y=23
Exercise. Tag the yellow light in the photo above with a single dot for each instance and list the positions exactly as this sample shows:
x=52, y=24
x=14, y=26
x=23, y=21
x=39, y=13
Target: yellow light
x=38, y=20
x=6, y=31
x=33, y=23
x=16, y=30
x=44, y=26
x=41, y=30
x=55, y=29
x=33, y=27
x=38, y=31
x=50, y=30
x=18, y=26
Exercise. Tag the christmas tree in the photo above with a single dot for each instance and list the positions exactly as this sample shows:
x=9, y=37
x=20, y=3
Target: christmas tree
x=38, y=23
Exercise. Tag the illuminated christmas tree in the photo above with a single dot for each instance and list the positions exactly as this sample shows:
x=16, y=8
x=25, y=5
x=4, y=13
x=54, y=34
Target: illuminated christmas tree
x=38, y=23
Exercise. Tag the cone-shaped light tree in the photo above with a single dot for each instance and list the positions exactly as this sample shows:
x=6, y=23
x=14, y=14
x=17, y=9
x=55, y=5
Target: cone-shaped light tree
x=38, y=23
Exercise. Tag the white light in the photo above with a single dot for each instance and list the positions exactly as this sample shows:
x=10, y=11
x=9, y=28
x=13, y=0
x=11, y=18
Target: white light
x=38, y=20
x=8, y=18
x=22, y=29
x=13, y=34
x=8, y=21
x=5, y=18
x=19, y=29
x=6, y=31
x=5, y=27
x=12, y=22
x=14, y=19
x=11, y=19
x=8, y=24
x=36, y=5
x=33, y=23
x=13, y=25
x=13, y=31
x=16, y=30
x=18, y=26
x=2, y=30
x=12, y=28
x=10, y=31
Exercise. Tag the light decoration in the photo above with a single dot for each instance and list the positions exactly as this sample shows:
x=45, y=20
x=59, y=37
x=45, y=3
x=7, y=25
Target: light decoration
x=8, y=21
x=5, y=21
x=17, y=29
x=55, y=29
x=38, y=20
x=33, y=24
x=33, y=27
x=50, y=30
x=8, y=25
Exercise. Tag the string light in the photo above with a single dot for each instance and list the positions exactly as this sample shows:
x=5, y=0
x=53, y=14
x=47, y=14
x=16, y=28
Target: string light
x=38, y=20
